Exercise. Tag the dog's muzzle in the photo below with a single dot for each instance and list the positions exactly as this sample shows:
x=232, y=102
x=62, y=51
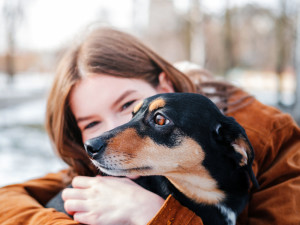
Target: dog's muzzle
x=94, y=147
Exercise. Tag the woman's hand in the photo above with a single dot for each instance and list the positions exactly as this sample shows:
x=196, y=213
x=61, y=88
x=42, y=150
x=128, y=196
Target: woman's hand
x=110, y=200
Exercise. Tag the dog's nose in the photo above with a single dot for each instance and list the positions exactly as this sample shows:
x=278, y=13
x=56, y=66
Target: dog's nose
x=94, y=146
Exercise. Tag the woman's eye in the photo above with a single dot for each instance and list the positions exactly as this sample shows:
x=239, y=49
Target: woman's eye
x=126, y=105
x=92, y=124
x=161, y=120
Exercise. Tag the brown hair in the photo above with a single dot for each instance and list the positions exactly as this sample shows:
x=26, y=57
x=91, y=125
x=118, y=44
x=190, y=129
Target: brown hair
x=103, y=51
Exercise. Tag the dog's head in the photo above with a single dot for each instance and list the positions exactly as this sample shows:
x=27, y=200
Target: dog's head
x=182, y=136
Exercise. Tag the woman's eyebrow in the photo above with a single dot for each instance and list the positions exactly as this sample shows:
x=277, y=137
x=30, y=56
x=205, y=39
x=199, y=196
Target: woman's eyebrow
x=121, y=98
x=80, y=119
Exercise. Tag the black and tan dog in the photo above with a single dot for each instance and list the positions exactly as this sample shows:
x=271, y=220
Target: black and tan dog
x=188, y=148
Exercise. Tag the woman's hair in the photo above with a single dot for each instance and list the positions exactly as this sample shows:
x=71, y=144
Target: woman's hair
x=103, y=51
x=111, y=52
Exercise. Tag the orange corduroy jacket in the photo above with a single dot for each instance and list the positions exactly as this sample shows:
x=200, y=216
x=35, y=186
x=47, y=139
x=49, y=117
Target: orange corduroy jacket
x=276, y=141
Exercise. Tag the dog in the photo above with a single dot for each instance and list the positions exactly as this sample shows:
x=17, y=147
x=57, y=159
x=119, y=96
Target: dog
x=181, y=144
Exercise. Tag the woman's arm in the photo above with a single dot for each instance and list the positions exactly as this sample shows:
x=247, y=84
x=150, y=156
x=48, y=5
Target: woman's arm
x=24, y=202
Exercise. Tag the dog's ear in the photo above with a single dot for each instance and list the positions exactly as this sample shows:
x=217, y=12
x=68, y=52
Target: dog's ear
x=230, y=133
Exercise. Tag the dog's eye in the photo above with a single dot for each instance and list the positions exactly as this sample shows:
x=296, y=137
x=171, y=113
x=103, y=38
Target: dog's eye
x=161, y=120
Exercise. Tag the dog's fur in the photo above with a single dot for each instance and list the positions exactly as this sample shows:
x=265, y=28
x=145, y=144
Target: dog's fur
x=204, y=157
x=181, y=144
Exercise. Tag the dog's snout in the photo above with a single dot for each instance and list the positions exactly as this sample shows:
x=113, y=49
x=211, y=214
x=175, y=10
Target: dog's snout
x=94, y=146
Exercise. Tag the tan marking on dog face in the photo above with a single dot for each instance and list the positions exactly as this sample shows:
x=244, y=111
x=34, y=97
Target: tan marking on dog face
x=138, y=106
x=243, y=148
x=125, y=142
x=157, y=103
x=182, y=165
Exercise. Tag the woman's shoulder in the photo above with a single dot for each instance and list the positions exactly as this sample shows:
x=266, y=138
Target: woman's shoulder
x=260, y=118
x=268, y=129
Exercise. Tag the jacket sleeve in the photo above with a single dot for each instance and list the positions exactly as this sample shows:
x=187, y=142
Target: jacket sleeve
x=24, y=202
x=172, y=212
x=276, y=141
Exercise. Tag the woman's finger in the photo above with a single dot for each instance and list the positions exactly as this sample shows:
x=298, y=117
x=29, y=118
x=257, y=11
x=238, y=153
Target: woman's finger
x=73, y=193
x=83, y=181
x=84, y=218
x=76, y=206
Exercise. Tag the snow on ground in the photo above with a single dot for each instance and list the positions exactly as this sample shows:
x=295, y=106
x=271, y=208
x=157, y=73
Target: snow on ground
x=29, y=113
x=25, y=150
x=25, y=154
x=25, y=84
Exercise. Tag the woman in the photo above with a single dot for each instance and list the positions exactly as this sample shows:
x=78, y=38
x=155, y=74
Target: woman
x=96, y=86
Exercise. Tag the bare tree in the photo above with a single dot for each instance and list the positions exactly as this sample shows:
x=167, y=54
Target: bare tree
x=296, y=110
x=193, y=33
x=228, y=39
x=12, y=13
x=282, y=48
x=197, y=37
x=187, y=37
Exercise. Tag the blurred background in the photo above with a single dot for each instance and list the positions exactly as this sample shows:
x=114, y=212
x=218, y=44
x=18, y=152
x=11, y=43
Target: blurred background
x=252, y=43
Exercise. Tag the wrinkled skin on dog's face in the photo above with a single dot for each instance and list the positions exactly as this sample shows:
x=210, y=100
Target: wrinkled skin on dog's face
x=181, y=136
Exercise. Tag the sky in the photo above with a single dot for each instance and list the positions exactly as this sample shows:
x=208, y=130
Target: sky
x=49, y=24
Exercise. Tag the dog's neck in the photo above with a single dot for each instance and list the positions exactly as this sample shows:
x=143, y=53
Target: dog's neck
x=201, y=189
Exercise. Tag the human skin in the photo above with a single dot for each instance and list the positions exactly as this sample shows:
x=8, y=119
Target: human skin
x=100, y=103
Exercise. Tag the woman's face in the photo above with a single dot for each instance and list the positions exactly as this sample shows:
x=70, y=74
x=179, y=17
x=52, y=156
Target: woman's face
x=102, y=102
